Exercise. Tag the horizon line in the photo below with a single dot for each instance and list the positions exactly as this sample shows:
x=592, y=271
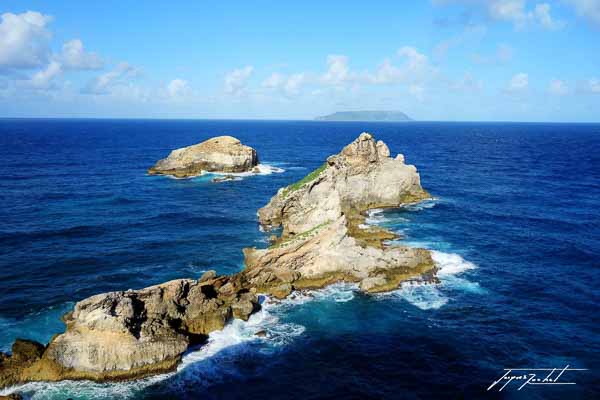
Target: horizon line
x=293, y=120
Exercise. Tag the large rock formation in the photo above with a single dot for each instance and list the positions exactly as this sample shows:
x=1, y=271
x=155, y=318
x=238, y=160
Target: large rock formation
x=219, y=154
x=123, y=335
x=324, y=238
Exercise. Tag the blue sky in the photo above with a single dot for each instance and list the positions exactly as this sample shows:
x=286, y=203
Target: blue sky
x=490, y=60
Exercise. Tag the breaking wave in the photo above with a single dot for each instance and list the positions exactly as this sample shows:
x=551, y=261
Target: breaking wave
x=427, y=296
x=263, y=330
x=260, y=169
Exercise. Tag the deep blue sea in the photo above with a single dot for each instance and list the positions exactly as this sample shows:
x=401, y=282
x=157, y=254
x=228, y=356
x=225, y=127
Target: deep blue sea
x=515, y=225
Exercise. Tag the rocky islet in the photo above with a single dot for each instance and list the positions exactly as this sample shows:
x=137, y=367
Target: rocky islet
x=136, y=333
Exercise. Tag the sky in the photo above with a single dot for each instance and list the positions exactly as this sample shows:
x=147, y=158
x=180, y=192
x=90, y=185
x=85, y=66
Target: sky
x=436, y=60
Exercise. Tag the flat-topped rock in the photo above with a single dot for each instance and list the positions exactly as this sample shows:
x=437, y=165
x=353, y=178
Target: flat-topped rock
x=218, y=154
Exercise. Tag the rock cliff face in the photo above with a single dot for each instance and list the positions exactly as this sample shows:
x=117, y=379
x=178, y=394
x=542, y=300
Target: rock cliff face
x=131, y=334
x=219, y=154
x=324, y=238
x=121, y=335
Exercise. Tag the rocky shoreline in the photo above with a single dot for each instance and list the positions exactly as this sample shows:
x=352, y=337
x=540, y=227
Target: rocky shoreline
x=324, y=239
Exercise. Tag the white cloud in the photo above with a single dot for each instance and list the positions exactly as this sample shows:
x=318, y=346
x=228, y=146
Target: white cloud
x=24, y=39
x=514, y=11
x=44, y=79
x=558, y=87
x=416, y=68
x=288, y=85
x=588, y=9
x=293, y=84
x=387, y=73
x=178, y=88
x=508, y=10
x=105, y=83
x=236, y=80
x=274, y=81
x=541, y=13
x=74, y=56
x=338, y=71
x=518, y=83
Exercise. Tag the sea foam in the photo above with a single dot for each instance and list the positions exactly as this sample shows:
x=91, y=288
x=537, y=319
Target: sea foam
x=261, y=169
x=427, y=296
x=205, y=364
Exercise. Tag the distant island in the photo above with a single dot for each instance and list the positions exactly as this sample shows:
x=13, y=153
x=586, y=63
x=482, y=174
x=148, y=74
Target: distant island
x=392, y=116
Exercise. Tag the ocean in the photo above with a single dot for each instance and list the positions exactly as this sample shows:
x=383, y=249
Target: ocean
x=514, y=225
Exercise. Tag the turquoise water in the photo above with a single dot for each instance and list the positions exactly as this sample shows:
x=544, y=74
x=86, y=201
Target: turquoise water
x=515, y=226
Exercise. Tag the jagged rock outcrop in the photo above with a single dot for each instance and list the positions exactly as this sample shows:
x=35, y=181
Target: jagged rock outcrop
x=135, y=333
x=218, y=154
x=324, y=238
x=120, y=335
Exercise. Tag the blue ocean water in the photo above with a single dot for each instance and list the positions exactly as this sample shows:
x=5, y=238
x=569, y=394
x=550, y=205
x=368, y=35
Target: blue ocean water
x=515, y=225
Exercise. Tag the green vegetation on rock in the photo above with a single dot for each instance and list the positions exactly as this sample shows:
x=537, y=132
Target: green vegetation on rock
x=308, y=178
x=300, y=236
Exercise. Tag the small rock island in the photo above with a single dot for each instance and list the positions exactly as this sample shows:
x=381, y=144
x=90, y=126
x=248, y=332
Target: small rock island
x=219, y=154
x=373, y=116
x=324, y=239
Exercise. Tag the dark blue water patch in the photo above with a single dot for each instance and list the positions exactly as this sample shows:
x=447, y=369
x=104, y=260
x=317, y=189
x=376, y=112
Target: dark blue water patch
x=521, y=202
x=7, y=239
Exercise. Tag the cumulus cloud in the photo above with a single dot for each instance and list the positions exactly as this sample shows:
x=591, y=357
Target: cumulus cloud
x=74, y=56
x=106, y=82
x=541, y=12
x=288, y=85
x=236, y=80
x=293, y=83
x=588, y=9
x=508, y=10
x=178, y=88
x=558, y=87
x=24, y=39
x=338, y=70
x=44, y=79
x=274, y=81
x=514, y=11
x=518, y=83
x=416, y=68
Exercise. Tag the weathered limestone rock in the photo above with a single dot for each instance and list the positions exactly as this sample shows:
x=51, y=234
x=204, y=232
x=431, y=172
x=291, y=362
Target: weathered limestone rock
x=219, y=154
x=120, y=335
x=25, y=353
x=324, y=238
x=135, y=333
